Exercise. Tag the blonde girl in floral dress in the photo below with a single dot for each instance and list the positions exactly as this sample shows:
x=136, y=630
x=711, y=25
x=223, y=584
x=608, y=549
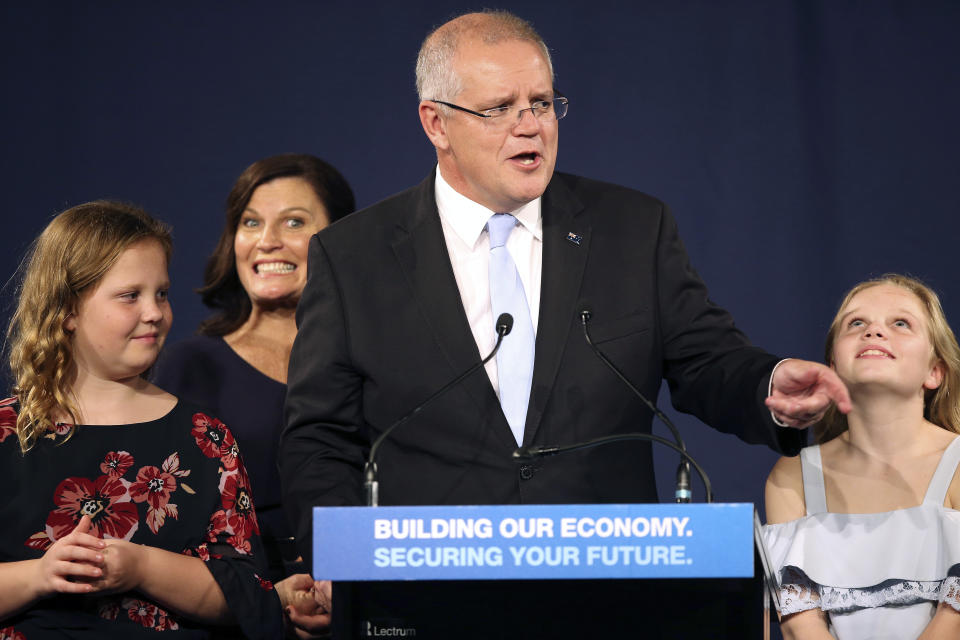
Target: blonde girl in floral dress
x=125, y=512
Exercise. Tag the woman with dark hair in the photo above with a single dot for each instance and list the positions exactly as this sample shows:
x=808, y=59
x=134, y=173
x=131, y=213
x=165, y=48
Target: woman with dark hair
x=238, y=362
x=224, y=286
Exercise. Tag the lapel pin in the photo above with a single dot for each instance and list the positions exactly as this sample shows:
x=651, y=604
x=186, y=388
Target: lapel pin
x=575, y=238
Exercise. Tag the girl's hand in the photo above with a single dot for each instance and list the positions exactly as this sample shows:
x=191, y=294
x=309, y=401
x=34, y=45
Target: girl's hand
x=306, y=603
x=123, y=564
x=72, y=563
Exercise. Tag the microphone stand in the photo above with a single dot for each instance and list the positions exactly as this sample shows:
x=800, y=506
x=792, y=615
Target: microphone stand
x=531, y=453
x=371, y=486
x=682, y=491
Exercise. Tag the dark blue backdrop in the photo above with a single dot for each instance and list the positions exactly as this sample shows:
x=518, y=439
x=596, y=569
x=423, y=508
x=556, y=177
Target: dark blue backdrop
x=803, y=145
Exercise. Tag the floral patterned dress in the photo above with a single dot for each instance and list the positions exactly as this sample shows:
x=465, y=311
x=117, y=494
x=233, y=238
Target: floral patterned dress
x=176, y=483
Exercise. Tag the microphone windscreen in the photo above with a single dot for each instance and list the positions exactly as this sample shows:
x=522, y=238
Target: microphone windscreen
x=504, y=323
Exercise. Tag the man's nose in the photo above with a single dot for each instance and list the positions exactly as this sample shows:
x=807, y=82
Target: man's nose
x=527, y=125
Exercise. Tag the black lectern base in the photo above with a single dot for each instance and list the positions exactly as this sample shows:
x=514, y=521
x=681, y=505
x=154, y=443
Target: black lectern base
x=672, y=609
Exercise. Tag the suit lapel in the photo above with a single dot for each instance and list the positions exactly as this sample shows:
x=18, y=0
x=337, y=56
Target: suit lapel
x=564, y=259
x=421, y=252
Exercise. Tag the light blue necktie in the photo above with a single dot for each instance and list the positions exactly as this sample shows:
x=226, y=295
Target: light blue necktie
x=515, y=358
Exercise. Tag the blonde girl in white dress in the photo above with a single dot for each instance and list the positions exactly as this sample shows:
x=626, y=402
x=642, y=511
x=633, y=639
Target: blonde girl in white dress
x=863, y=526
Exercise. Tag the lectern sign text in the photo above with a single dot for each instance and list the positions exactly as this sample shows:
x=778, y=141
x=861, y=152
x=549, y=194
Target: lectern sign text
x=533, y=542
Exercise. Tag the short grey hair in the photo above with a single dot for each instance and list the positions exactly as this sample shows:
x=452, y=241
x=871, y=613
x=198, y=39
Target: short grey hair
x=436, y=79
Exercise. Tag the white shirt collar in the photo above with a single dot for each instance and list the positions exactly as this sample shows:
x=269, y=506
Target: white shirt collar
x=467, y=218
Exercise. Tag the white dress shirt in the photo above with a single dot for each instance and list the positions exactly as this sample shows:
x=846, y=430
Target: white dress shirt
x=464, y=230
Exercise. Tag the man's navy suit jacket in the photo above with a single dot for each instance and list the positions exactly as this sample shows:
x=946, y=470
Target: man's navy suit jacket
x=382, y=326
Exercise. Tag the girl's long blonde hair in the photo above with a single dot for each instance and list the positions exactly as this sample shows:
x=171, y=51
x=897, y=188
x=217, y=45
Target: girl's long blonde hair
x=67, y=260
x=941, y=405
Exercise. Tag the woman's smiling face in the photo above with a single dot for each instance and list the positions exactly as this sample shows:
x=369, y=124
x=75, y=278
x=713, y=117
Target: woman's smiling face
x=272, y=240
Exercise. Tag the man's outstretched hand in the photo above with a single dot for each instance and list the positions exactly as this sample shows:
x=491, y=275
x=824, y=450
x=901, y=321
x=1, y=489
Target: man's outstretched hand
x=802, y=391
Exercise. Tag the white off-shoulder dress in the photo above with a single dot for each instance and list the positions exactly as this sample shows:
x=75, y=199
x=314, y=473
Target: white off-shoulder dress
x=878, y=576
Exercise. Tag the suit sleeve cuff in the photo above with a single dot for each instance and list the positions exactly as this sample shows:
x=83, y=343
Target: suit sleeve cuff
x=773, y=373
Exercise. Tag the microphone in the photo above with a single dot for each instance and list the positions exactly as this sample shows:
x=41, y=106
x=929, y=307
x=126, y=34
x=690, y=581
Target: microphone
x=682, y=492
x=371, y=486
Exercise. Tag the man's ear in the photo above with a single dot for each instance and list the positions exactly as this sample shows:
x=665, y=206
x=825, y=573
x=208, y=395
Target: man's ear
x=433, y=124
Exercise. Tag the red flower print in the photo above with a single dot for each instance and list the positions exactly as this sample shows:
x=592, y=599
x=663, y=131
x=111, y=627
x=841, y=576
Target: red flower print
x=39, y=541
x=238, y=504
x=266, y=585
x=106, y=501
x=209, y=434
x=172, y=465
x=61, y=428
x=9, y=633
x=230, y=457
x=156, y=517
x=143, y=613
x=201, y=552
x=165, y=621
x=116, y=463
x=241, y=545
x=8, y=419
x=153, y=486
x=216, y=526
